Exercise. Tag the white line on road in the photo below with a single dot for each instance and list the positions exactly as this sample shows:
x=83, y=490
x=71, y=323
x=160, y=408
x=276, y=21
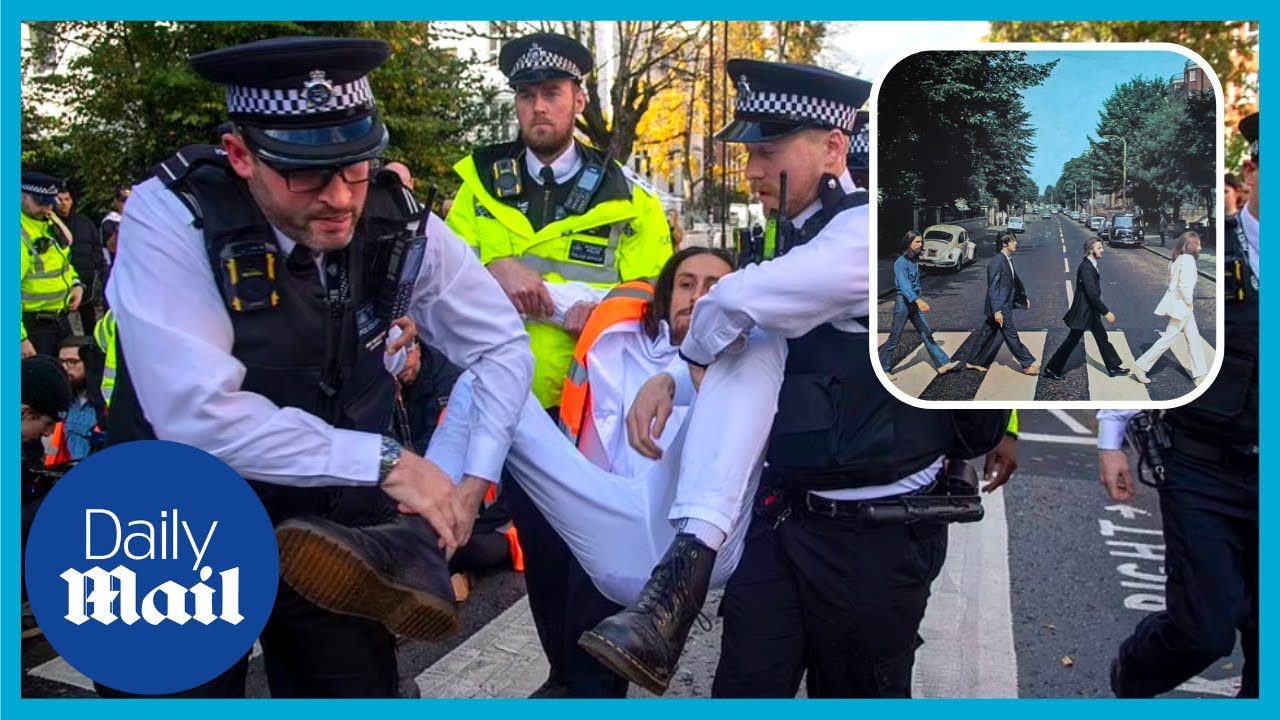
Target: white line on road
x=968, y=626
x=1226, y=687
x=1057, y=439
x=1075, y=425
x=1066, y=268
x=1069, y=292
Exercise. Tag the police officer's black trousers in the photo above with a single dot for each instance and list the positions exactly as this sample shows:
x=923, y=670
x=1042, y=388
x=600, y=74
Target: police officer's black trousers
x=1210, y=515
x=46, y=331
x=824, y=596
x=563, y=601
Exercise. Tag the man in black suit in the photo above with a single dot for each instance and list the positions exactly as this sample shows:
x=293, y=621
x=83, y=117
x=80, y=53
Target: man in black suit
x=1086, y=313
x=1004, y=293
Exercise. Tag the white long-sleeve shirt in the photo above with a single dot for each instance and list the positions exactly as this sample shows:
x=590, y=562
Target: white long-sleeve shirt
x=620, y=361
x=825, y=280
x=175, y=328
x=1111, y=425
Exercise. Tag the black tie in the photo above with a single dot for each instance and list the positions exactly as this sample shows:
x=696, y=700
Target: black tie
x=548, y=176
x=302, y=259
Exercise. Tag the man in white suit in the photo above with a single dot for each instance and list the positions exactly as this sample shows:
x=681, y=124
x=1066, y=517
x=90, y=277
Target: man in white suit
x=1178, y=306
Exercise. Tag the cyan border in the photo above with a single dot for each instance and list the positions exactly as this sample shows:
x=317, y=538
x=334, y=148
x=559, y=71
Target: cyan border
x=934, y=10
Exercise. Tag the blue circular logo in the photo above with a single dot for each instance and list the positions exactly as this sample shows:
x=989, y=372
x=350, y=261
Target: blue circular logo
x=152, y=567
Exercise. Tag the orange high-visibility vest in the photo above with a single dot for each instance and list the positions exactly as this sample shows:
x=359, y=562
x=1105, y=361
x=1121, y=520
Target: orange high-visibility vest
x=625, y=302
x=60, y=454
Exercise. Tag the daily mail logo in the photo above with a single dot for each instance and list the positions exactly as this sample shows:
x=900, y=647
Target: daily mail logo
x=145, y=547
x=94, y=589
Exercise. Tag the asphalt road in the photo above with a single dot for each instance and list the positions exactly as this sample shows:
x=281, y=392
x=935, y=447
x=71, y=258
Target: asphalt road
x=1033, y=602
x=1049, y=251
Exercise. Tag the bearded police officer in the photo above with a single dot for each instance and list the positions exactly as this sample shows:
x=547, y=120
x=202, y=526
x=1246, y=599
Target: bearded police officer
x=820, y=588
x=548, y=208
x=242, y=297
x=1203, y=458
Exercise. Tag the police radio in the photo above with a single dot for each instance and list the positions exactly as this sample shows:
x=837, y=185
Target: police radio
x=249, y=275
x=404, y=262
x=779, y=234
x=585, y=189
x=506, y=179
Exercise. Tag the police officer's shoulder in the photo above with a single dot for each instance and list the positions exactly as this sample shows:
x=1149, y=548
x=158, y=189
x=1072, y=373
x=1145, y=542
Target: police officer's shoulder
x=187, y=160
x=486, y=155
x=636, y=180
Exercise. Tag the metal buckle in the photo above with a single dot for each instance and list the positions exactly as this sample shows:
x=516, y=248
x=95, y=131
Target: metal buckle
x=830, y=511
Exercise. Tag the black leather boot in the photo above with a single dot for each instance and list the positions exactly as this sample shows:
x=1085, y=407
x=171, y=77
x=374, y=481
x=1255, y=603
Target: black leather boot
x=393, y=573
x=643, y=643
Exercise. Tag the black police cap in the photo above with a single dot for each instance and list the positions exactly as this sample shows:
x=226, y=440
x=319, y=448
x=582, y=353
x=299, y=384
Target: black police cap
x=302, y=101
x=1249, y=129
x=43, y=188
x=543, y=56
x=777, y=99
x=45, y=388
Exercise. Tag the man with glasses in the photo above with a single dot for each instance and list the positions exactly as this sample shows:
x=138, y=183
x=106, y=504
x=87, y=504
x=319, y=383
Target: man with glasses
x=239, y=295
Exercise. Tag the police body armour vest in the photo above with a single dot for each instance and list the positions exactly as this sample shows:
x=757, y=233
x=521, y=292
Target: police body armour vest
x=838, y=427
x=1228, y=411
x=303, y=353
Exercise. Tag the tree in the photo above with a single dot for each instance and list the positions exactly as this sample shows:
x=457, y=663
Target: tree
x=1230, y=48
x=1123, y=114
x=954, y=128
x=130, y=99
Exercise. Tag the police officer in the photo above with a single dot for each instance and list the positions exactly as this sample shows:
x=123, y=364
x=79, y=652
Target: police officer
x=1208, y=495
x=237, y=335
x=546, y=207
x=818, y=589
x=50, y=286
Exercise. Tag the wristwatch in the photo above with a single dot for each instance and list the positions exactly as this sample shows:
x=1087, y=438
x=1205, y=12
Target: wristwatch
x=388, y=458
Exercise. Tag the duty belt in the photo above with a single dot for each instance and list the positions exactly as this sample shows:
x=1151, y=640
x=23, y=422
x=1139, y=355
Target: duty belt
x=1228, y=456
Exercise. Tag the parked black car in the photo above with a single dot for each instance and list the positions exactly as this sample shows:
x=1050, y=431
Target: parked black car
x=1124, y=230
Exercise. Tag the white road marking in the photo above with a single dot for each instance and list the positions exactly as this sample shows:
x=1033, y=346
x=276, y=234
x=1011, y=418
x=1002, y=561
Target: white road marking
x=1101, y=385
x=1226, y=687
x=1066, y=268
x=914, y=373
x=1057, y=439
x=968, y=623
x=1070, y=293
x=1066, y=419
x=1005, y=380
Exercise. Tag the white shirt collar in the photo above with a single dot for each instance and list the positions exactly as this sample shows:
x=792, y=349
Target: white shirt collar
x=565, y=166
x=1094, y=260
x=846, y=182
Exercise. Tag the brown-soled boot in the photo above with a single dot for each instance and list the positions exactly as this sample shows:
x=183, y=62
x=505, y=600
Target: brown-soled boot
x=392, y=573
x=643, y=642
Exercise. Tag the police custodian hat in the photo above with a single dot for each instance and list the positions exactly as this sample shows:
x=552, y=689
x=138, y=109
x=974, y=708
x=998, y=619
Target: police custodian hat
x=543, y=56
x=302, y=101
x=1249, y=129
x=777, y=99
x=42, y=188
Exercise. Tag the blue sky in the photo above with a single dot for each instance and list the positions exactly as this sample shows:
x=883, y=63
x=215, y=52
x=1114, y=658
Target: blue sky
x=1064, y=110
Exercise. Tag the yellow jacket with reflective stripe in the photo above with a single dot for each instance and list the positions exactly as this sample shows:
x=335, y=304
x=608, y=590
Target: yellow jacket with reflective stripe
x=632, y=231
x=47, y=277
x=104, y=334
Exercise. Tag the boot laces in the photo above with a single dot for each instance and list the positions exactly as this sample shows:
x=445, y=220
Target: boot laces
x=659, y=596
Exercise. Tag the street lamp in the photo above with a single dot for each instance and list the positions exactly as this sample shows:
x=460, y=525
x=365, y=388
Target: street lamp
x=1075, y=200
x=1124, y=167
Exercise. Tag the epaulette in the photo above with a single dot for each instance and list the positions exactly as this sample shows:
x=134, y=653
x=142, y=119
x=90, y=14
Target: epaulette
x=188, y=159
x=634, y=178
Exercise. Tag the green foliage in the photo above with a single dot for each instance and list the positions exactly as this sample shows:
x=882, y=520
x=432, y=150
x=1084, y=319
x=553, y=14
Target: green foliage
x=131, y=100
x=954, y=127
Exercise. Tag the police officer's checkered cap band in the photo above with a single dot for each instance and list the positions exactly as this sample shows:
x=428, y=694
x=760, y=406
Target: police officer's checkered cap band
x=790, y=106
x=294, y=101
x=40, y=189
x=536, y=58
x=860, y=142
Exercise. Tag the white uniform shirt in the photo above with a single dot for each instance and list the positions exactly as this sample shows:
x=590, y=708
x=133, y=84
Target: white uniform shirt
x=178, y=337
x=565, y=166
x=825, y=280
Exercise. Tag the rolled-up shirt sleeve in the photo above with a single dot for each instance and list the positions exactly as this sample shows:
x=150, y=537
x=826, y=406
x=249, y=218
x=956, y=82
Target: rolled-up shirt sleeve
x=176, y=338
x=1111, y=426
x=825, y=279
x=463, y=312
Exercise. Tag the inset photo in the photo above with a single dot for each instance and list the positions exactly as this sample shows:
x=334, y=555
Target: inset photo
x=1048, y=226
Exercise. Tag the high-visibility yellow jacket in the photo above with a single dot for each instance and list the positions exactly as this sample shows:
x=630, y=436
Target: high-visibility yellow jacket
x=104, y=334
x=47, y=274
x=622, y=236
